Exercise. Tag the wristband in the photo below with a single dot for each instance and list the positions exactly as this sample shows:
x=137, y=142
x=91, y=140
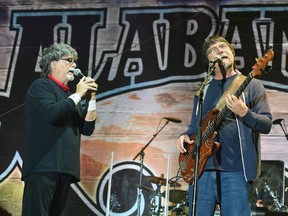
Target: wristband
x=91, y=105
x=75, y=97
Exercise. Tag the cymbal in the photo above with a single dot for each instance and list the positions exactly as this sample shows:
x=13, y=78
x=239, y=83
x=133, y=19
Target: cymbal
x=176, y=196
x=162, y=181
x=145, y=188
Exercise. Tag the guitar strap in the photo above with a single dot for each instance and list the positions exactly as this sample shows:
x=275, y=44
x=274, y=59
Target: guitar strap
x=236, y=83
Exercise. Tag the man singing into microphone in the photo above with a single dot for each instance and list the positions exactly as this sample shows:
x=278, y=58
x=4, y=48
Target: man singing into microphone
x=227, y=174
x=54, y=122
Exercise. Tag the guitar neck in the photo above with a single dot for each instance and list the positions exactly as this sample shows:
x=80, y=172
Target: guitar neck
x=212, y=127
x=243, y=85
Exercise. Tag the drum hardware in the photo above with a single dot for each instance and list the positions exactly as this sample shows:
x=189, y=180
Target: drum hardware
x=155, y=201
x=178, y=209
x=145, y=188
x=179, y=200
x=156, y=195
x=276, y=206
x=162, y=181
x=176, y=196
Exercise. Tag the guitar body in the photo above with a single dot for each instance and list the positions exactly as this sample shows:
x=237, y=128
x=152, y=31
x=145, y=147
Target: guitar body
x=207, y=149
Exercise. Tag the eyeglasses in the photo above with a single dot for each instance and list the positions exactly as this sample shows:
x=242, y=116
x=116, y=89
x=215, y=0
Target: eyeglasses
x=70, y=60
x=215, y=49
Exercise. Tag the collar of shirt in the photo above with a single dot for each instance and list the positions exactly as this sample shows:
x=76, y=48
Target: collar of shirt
x=61, y=85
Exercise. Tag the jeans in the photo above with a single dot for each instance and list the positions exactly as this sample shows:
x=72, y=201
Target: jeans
x=229, y=189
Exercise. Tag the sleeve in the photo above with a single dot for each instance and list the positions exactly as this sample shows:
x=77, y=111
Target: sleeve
x=259, y=117
x=43, y=98
x=88, y=128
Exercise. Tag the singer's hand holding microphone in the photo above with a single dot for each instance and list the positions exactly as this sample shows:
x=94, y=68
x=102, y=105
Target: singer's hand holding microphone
x=86, y=85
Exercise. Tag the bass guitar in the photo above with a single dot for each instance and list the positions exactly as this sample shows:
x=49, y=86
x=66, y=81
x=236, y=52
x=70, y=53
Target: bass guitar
x=211, y=123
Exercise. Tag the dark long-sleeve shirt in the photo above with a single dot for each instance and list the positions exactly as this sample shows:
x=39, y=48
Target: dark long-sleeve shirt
x=53, y=128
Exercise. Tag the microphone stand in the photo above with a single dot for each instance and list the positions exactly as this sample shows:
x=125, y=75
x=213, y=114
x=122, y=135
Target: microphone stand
x=284, y=129
x=142, y=154
x=199, y=93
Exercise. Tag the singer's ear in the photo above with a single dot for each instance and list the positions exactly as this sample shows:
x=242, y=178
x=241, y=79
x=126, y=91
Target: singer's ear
x=53, y=64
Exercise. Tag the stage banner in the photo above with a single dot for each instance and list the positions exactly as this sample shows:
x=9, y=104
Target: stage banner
x=146, y=58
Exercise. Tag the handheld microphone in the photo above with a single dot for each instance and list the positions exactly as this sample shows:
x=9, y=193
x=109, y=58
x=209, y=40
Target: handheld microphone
x=277, y=121
x=218, y=59
x=77, y=72
x=172, y=119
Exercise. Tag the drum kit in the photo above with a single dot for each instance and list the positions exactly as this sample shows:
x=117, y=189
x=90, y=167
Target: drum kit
x=178, y=198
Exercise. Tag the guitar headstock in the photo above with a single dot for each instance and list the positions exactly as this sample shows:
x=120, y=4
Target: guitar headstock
x=261, y=64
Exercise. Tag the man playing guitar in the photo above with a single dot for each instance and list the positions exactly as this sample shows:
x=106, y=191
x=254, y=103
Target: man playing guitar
x=226, y=174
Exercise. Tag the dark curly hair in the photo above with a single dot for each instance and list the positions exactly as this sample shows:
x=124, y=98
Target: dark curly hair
x=54, y=53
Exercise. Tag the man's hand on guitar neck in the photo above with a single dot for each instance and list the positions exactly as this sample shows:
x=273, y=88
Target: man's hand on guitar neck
x=180, y=142
x=236, y=105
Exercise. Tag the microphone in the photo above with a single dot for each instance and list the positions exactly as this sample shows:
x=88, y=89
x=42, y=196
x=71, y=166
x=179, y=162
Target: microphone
x=77, y=72
x=172, y=119
x=277, y=121
x=218, y=59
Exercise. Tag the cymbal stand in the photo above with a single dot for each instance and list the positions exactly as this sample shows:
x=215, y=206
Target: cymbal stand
x=142, y=154
x=177, y=207
x=283, y=126
x=157, y=207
